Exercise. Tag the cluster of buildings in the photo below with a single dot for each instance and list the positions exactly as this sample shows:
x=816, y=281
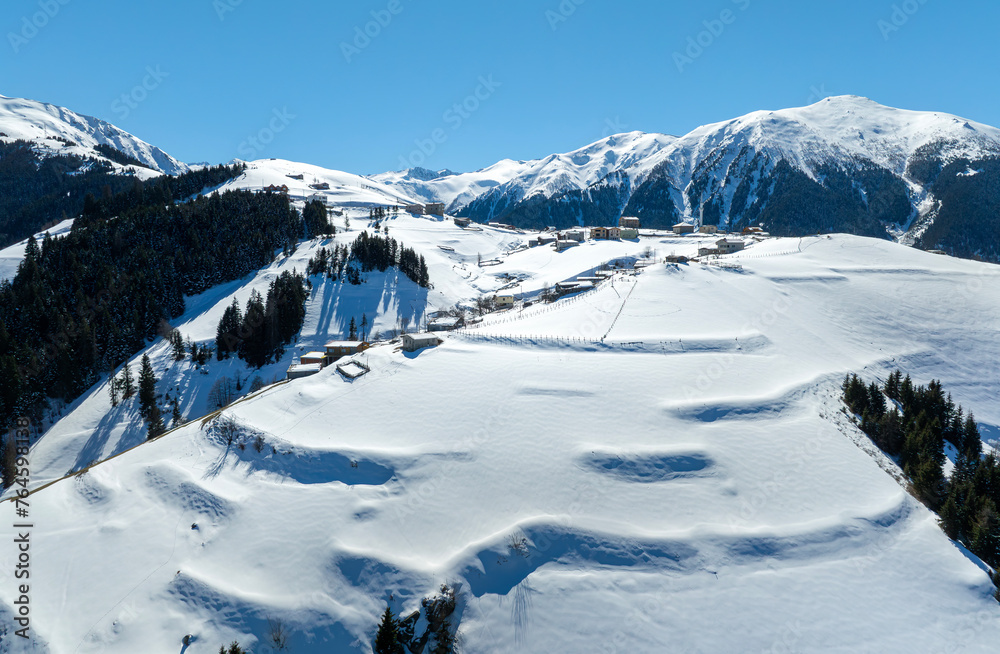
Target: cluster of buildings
x=686, y=228
x=429, y=209
x=627, y=229
x=312, y=362
x=723, y=246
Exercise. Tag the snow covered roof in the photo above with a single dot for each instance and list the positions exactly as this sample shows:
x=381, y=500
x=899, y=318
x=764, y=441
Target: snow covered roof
x=344, y=344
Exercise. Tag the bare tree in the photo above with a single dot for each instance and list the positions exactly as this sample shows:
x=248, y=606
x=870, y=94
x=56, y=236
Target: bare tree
x=223, y=393
x=278, y=634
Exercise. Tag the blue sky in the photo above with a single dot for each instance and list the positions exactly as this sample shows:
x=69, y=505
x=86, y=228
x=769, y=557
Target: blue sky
x=210, y=80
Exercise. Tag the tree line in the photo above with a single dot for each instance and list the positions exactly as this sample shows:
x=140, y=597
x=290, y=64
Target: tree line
x=81, y=304
x=913, y=423
x=258, y=334
x=368, y=253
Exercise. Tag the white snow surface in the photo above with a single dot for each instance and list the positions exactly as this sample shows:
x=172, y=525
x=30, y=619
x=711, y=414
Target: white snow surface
x=670, y=446
x=39, y=122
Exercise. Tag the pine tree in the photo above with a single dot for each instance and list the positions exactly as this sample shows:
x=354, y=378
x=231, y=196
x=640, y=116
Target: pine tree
x=147, y=388
x=950, y=517
x=113, y=389
x=155, y=420
x=352, y=331
x=127, y=383
x=175, y=417
x=387, y=639
x=364, y=327
x=177, y=343
x=8, y=463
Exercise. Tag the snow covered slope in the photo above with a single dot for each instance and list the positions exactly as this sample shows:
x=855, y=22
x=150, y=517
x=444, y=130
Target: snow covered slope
x=345, y=189
x=455, y=190
x=838, y=128
x=42, y=123
x=658, y=465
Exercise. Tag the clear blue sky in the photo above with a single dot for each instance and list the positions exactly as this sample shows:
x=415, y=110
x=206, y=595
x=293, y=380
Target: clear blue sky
x=567, y=73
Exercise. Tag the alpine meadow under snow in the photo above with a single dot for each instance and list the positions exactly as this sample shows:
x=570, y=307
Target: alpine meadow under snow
x=660, y=463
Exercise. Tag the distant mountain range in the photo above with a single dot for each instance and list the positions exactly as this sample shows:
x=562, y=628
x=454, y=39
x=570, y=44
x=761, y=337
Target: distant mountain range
x=845, y=164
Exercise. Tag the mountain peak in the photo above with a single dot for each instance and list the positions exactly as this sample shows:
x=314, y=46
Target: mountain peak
x=56, y=128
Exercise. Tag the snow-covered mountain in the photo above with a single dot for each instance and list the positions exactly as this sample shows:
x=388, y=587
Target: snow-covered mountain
x=61, y=131
x=455, y=190
x=876, y=162
x=494, y=192
x=843, y=164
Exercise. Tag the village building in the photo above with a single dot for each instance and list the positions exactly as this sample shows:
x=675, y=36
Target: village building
x=313, y=358
x=708, y=229
x=299, y=371
x=445, y=324
x=505, y=301
x=677, y=258
x=414, y=342
x=434, y=209
x=339, y=349
x=599, y=233
x=577, y=235
x=723, y=246
x=415, y=209
x=463, y=222
x=565, y=244
x=320, y=186
x=753, y=231
x=274, y=188
x=683, y=228
x=629, y=222
x=730, y=245
x=628, y=233
x=545, y=239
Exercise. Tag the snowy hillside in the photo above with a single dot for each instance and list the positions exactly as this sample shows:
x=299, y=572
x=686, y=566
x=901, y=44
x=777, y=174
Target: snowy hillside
x=345, y=189
x=50, y=127
x=455, y=190
x=661, y=464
